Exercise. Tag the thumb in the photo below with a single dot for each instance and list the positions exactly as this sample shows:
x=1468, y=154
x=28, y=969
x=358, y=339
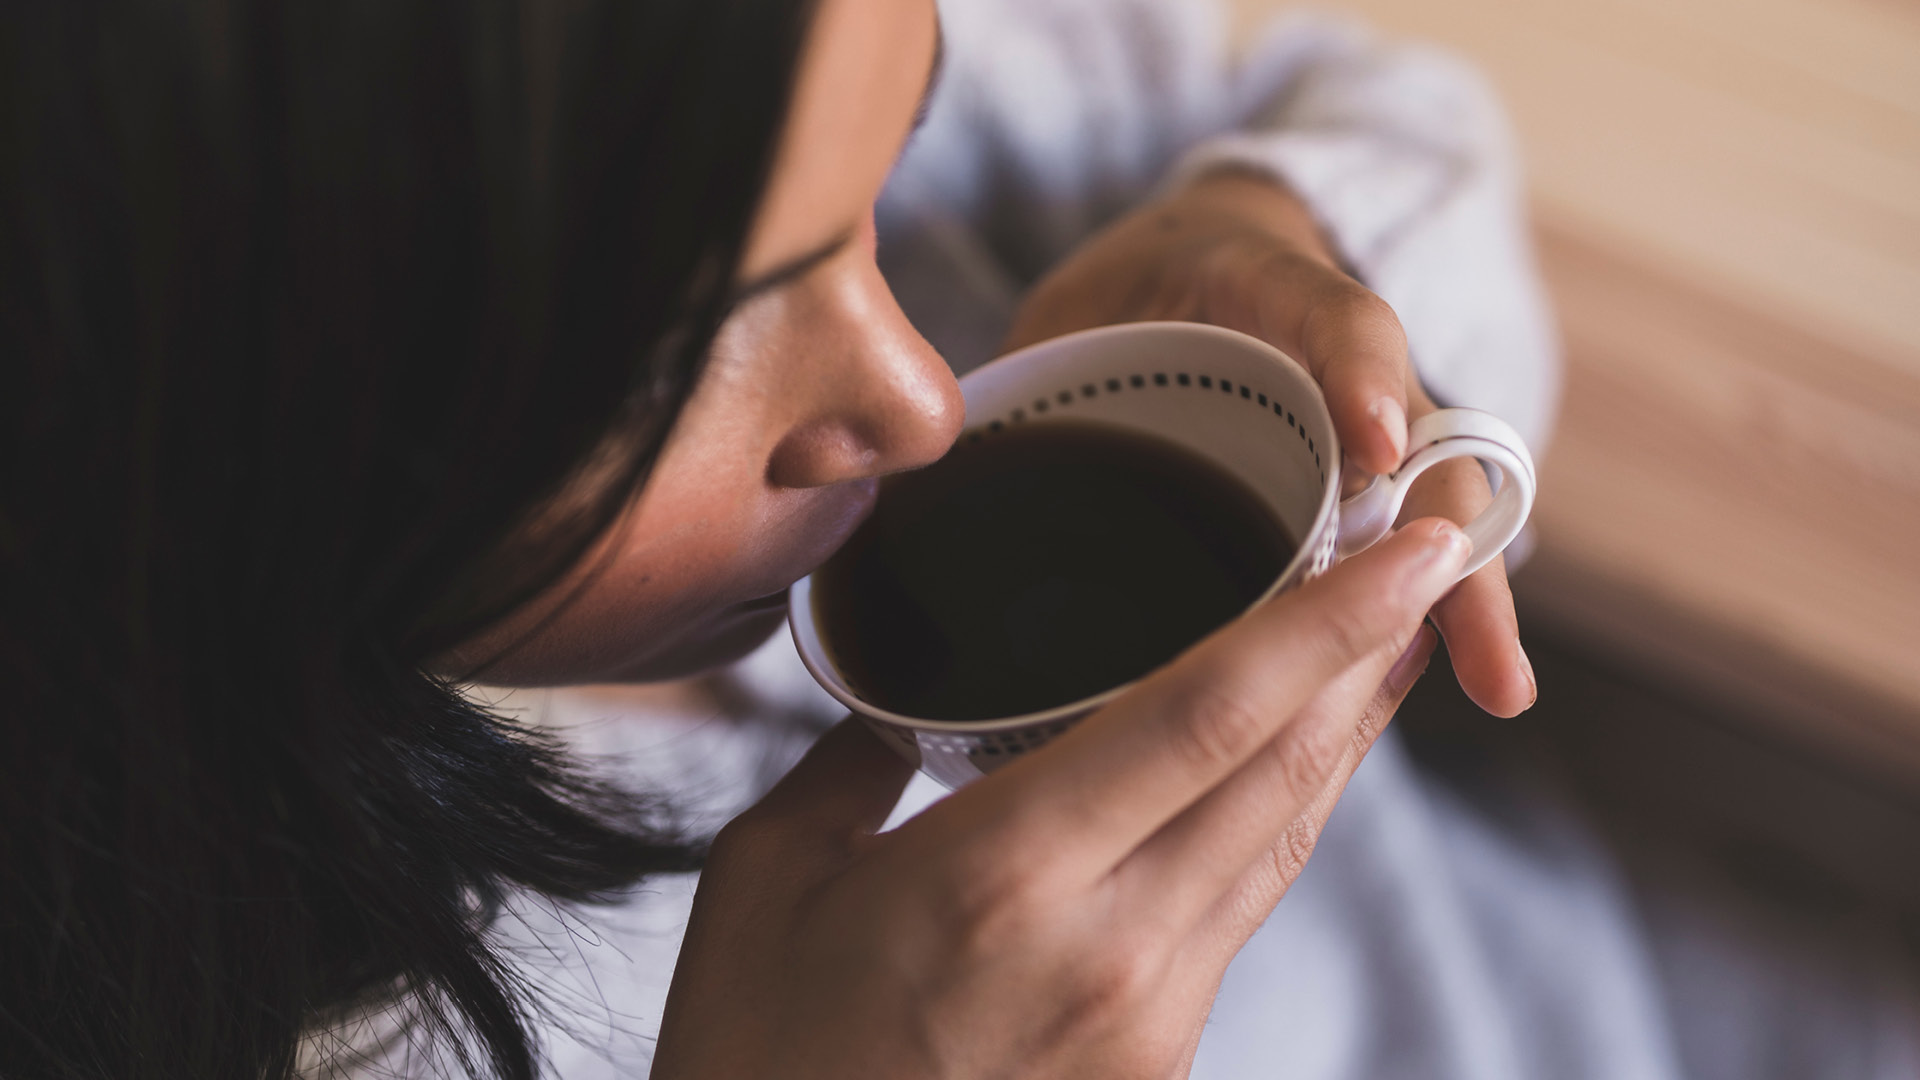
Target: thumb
x=846, y=785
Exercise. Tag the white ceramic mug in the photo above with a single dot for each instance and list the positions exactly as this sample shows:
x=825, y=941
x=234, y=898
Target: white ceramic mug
x=1241, y=404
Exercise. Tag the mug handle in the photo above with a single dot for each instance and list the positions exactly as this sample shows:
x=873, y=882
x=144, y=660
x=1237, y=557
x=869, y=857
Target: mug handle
x=1440, y=436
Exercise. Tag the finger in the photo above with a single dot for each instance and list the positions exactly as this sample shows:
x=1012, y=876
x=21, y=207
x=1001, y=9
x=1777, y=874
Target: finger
x=1476, y=619
x=1115, y=779
x=1236, y=916
x=1483, y=642
x=1307, y=305
x=1354, y=342
x=1250, y=901
x=1348, y=338
x=845, y=786
x=1264, y=819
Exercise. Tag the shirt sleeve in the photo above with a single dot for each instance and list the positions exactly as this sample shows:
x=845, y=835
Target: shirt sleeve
x=1054, y=116
x=1405, y=156
x=1050, y=118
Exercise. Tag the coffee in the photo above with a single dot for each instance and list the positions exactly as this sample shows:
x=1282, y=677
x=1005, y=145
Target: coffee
x=1038, y=565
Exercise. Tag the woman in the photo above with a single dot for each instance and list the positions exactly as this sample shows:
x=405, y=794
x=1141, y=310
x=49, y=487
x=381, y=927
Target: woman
x=372, y=348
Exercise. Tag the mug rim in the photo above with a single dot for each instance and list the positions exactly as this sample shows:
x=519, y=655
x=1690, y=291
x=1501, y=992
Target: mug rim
x=800, y=593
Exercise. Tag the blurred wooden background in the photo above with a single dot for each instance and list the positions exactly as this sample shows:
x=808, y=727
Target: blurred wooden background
x=1727, y=199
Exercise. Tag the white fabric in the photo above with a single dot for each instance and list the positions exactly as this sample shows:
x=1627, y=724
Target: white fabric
x=1057, y=115
x=1432, y=935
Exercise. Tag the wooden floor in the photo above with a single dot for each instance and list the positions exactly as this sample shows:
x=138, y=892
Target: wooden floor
x=1727, y=196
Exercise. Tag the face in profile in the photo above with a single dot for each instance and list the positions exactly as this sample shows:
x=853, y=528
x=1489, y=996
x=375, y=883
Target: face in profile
x=815, y=386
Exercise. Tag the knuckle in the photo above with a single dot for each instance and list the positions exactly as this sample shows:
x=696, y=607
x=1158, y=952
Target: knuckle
x=741, y=835
x=1306, y=763
x=1215, y=727
x=1288, y=856
x=1131, y=976
x=1354, y=303
x=1374, y=719
x=989, y=912
x=1351, y=631
x=1284, y=264
x=1345, y=309
x=759, y=835
x=1120, y=977
x=746, y=848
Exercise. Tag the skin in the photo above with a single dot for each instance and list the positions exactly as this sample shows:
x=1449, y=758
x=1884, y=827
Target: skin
x=818, y=386
x=1073, y=913
x=1237, y=250
x=813, y=390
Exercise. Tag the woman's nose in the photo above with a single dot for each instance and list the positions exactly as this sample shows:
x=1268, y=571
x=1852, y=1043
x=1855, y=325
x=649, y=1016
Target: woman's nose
x=883, y=401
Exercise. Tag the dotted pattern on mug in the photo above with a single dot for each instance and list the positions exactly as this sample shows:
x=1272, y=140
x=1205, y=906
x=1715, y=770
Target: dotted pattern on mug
x=993, y=744
x=1160, y=380
x=1323, y=553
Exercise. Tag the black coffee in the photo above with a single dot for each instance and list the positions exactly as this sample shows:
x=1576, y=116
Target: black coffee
x=1038, y=565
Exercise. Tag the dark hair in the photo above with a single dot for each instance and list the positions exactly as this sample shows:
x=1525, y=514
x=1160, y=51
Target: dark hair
x=304, y=307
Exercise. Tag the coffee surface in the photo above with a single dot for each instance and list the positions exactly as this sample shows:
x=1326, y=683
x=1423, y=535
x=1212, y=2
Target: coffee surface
x=1038, y=565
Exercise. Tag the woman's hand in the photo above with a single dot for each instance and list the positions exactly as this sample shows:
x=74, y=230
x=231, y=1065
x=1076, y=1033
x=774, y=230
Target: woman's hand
x=1072, y=914
x=1239, y=251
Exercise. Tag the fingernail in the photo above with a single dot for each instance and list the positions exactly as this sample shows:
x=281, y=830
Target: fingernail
x=1412, y=663
x=1526, y=665
x=1392, y=420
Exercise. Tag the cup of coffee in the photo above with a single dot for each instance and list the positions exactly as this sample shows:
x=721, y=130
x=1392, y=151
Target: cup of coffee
x=1117, y=495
